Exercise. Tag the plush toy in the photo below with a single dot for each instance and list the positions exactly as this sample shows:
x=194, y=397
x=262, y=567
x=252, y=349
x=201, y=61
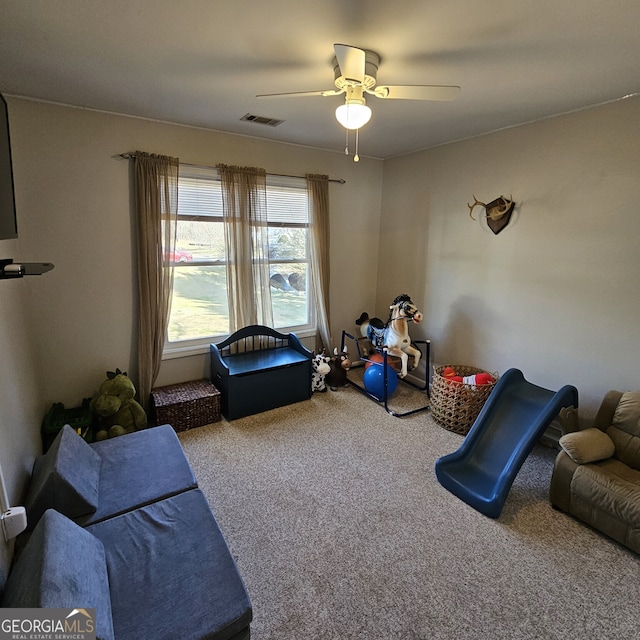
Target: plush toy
x=118, y=413
x=339, y=365
x=478, y=379
x=320, y=368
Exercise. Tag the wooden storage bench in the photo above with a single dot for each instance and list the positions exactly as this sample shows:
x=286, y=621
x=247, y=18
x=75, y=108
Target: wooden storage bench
x=186, y=405
x=257, y=369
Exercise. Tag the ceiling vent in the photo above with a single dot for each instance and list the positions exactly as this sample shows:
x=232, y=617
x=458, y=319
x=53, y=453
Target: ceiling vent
x=271, y=122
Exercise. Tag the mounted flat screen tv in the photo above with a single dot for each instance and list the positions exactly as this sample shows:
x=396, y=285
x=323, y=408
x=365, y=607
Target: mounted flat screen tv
x=8, y=224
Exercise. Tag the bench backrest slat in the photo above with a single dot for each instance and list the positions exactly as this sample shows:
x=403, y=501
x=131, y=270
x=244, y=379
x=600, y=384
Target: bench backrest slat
x=253, y=338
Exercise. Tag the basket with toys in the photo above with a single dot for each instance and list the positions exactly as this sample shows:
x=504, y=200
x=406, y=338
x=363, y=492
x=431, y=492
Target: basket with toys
x=458, y=393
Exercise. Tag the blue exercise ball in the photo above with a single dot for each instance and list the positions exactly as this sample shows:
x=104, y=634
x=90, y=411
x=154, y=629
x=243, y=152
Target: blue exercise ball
x=374, y=380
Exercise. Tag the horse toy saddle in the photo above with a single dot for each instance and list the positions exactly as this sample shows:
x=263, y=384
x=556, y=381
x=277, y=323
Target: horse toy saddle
x=375, y=331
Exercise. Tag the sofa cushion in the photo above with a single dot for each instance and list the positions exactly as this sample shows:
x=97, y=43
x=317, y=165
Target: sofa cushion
x=62, y=566
x=137, y=469
x=171, y=573
x=66, y=479
x=625, y=429
x=587, y=446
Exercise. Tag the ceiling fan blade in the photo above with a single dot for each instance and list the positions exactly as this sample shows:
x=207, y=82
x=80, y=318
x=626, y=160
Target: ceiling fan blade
x=417, y=92
x=351, y=61
x=301, y=94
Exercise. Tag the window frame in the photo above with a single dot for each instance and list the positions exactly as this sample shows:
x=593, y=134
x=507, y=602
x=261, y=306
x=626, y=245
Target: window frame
x=194, y=346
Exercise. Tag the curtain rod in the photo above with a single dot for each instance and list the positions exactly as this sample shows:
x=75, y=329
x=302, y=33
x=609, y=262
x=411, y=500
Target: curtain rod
x=131, y=156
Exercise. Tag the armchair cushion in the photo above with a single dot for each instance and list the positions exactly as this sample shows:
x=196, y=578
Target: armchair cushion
x=66, y=479
x=588, y=445
x=625, y=429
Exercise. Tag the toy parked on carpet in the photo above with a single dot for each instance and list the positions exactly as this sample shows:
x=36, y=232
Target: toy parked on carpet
x=319, y=370
x=385, y=347
x=118, y=413
x=393, y=336
x=339, y=365
x=376, y=361
x=511, y=422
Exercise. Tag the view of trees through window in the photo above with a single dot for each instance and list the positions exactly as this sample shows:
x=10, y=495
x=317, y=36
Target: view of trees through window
x=199, y=304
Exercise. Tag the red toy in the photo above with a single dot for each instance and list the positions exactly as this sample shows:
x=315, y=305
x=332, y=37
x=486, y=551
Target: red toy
x=478, y=379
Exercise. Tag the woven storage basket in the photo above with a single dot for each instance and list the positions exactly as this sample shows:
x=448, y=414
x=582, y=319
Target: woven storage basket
x=186, y=405
x=456, y=405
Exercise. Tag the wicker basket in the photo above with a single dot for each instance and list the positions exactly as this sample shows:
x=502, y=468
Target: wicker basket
x=186, y=405
x=456, y=405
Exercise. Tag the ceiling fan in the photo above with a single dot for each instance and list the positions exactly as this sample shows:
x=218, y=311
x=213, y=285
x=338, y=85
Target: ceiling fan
x=356, y=72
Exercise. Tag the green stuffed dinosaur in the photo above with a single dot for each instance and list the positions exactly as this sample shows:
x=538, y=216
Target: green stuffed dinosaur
x=118, y=413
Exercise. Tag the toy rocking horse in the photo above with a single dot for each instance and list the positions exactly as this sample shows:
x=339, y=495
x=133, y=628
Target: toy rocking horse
x=393, y=337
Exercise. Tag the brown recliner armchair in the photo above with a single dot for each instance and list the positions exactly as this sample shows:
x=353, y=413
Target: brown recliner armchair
x=596, y=476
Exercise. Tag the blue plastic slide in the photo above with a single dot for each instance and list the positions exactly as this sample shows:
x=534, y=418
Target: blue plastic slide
x=512, y=420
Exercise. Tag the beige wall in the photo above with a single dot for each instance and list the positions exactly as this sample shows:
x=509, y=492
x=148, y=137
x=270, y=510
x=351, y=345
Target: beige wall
x=62, y=331
x=74, y=210
x=20, y=399
x=556, y=293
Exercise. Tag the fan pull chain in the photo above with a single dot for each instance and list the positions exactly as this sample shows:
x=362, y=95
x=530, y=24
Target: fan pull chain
x=356, y=157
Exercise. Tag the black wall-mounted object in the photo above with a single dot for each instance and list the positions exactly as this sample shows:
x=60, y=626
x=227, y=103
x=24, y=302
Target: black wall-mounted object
x=8, y=223
x=11, y=269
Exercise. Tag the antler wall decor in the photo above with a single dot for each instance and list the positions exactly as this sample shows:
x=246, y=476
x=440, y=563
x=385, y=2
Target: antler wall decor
x=497, y=212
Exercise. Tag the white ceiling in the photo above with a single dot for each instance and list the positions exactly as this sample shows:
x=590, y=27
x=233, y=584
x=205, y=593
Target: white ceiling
x=202, y=62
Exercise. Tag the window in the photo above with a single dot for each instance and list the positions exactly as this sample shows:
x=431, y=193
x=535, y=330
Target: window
x=199, y=310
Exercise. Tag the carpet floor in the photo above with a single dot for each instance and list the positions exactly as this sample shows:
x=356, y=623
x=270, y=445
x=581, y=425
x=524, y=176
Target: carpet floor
x=341, y=531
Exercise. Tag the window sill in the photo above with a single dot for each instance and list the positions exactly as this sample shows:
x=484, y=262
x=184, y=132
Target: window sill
x=178, y=350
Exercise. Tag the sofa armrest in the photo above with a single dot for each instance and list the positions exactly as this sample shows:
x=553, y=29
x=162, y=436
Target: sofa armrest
x=560, y=487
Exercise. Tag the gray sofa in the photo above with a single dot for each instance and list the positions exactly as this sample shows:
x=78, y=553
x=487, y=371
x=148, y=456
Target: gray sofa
x=596, y=475
x=121, y=527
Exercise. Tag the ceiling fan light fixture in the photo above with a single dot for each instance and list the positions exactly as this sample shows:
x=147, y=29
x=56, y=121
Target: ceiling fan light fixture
x=353, y=115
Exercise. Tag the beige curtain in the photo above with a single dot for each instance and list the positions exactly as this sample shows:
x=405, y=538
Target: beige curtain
x=318, y=190
x=156, y=205
x=244, y=204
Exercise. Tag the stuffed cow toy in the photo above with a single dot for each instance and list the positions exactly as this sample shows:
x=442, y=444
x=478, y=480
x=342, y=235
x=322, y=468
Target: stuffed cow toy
x=319, y=369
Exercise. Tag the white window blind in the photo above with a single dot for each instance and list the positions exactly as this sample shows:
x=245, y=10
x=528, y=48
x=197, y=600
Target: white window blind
x=200, y=195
